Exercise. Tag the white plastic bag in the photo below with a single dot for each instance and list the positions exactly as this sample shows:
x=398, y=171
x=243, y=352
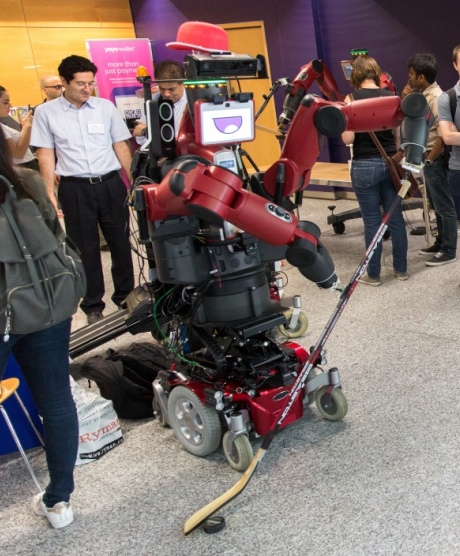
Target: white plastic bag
x=99, y=427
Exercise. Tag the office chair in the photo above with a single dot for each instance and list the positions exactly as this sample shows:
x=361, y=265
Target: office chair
x=8, y=387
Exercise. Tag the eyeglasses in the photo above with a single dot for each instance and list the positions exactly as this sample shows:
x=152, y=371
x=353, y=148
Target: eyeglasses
x=57, y=87
x=83, y=84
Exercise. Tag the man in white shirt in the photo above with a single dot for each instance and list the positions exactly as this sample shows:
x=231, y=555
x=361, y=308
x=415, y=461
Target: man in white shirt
x=88, y=138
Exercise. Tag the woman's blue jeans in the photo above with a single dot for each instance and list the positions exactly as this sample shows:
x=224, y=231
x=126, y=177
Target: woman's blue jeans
x=44, y=360
x=374, y=188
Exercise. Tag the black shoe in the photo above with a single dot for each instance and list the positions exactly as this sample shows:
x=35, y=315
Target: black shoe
x=430, y=250
x=439, y=259
x=94, y=317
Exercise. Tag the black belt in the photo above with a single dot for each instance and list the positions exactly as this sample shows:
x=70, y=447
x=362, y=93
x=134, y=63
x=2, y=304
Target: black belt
x=92, y=180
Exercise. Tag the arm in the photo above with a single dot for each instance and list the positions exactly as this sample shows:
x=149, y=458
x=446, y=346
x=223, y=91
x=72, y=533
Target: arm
x=437, y=149
x=47, y=163
x=450, y=134
x=124, y=156
x=348, y=137
x=19, y=149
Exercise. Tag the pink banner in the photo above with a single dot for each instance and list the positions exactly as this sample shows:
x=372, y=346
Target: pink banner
x=117, y=61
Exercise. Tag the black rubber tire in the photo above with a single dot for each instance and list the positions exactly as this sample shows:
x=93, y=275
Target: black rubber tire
x=339, y=228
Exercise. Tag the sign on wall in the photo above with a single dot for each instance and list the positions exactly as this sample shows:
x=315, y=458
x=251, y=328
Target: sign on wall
x=117, y=61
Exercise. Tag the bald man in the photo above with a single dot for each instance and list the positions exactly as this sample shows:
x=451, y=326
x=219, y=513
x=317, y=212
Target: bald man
x=51, y=87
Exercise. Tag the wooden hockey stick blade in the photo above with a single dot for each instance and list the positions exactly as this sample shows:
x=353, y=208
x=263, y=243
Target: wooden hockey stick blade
x=199, y=517
x=269, y=130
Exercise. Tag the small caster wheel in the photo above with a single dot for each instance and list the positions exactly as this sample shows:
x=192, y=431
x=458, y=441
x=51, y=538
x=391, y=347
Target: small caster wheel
x=338, y=227
x=299, y=329
x=334, y=407
x=239, y=455
x=158, y=412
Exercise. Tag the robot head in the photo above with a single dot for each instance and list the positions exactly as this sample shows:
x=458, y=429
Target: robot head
x=347, y=65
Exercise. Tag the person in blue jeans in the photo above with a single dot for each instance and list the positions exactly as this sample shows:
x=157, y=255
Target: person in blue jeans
x=449, y=128
x=43, y=357
x=370, y=177
x=422, y=78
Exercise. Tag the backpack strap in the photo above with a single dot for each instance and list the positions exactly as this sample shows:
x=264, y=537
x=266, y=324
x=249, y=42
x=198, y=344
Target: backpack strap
x=452, y=102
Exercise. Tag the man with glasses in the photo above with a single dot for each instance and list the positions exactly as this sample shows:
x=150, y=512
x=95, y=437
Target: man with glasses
x=89, y=137
x=51, y=87
x=170, y=76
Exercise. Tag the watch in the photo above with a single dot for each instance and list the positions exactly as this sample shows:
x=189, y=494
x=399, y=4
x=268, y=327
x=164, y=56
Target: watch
x=428, y=162
x=144, y=132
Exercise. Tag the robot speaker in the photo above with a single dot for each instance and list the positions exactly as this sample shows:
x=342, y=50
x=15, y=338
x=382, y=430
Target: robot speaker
x=161, y=123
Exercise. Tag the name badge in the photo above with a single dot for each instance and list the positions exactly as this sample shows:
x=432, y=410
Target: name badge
x=95, y=128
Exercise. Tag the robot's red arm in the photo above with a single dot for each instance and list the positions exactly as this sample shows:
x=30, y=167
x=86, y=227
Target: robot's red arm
x=314, y=71
x=316, y=117
x=215, y=194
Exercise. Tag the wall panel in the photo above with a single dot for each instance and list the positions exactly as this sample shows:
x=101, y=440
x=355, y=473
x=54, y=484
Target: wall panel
x=84, y=13
x=38, y=34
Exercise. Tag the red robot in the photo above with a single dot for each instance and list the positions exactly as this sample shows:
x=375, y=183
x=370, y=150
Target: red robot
x=212, y=304
x=212, y=234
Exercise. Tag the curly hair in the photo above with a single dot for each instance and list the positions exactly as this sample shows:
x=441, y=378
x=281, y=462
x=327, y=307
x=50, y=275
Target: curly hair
x=75, y=64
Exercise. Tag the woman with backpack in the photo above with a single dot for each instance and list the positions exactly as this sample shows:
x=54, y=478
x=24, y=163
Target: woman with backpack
x=43, y=357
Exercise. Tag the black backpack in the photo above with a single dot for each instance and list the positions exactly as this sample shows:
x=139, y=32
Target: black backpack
x=126, y=376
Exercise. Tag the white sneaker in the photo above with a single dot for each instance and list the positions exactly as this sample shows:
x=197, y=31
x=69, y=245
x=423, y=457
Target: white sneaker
x=60, y=515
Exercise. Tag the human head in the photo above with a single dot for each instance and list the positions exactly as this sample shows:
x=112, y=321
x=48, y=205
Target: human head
x=6, y=165
x=422, y=70
x=170, y=74
x=51, y=86
x=455, y=58
x=364, y=67
x=5, y=103
x=77, y=76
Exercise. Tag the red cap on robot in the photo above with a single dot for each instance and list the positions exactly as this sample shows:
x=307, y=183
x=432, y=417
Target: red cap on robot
x=198, y=35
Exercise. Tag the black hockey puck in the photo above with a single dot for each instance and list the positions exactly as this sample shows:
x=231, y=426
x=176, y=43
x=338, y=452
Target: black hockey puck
x=214, y=524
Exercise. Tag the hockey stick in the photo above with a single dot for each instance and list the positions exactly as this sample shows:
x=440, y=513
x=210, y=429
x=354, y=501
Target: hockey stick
x=199, y=517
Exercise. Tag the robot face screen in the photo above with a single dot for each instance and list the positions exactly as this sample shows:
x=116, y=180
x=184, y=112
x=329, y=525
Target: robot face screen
x=229, y=122
x=347, y=67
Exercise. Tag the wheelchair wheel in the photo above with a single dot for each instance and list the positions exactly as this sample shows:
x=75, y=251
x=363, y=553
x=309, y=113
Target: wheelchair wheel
x=334, y=407
x=239, y=455
x=158, y=412
x=196, y=426
x=299, y=329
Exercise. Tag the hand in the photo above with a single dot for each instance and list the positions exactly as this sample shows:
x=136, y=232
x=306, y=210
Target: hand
x=407, y=90
x=137, y=131
x=26, y=121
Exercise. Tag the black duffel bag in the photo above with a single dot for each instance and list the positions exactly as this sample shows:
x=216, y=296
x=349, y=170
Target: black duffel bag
x=126, y=376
